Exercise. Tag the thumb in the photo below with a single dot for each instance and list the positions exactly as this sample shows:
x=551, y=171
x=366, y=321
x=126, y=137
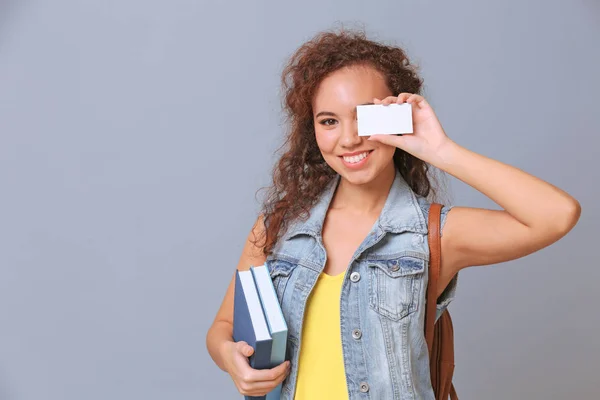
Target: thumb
x=248, y=350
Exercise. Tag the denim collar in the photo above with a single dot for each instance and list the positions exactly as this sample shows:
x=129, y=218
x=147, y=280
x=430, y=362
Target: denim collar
x=401, y=211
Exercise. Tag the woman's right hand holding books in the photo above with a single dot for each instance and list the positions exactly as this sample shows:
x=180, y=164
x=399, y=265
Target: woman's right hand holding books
x=250, y=381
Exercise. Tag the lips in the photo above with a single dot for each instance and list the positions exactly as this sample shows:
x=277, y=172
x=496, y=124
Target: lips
x=358, y=164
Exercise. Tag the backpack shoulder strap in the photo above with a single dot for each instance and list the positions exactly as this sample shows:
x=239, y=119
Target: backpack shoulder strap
x=435, y=256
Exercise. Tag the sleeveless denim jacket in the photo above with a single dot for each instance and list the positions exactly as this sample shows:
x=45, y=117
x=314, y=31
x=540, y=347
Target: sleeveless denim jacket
x=382, y=305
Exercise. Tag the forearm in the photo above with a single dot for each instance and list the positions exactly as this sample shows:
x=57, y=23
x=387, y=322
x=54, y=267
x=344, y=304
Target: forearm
x=532, y=201
x=216, y=337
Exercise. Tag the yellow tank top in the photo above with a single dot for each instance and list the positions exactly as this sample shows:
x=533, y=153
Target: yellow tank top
x=321, y=374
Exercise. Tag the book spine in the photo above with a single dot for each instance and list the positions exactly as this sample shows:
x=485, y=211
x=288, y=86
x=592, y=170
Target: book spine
x=262, y=353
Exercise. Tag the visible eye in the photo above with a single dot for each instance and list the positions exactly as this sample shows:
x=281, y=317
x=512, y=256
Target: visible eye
x=322, y=122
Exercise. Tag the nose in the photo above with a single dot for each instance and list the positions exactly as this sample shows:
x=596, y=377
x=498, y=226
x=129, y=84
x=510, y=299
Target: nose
x=349, y=136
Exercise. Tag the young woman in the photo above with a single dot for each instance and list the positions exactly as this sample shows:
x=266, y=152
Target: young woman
x=344, y=230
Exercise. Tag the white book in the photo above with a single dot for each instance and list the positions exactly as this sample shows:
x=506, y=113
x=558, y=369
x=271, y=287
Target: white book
x=275, y=320
x=249, y=322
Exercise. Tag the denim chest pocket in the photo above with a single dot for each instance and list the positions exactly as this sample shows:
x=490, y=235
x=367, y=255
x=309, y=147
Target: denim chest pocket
x=394, y=285
x=280, y=271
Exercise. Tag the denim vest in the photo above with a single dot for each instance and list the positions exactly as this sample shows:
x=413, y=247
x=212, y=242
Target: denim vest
x=382, y=307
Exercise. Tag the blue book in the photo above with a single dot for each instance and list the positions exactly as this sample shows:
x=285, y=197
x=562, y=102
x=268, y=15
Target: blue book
x=275, y=320
x=249, y=323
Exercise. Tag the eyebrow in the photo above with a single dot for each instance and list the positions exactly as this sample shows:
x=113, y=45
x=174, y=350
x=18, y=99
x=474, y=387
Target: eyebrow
x=332, y=114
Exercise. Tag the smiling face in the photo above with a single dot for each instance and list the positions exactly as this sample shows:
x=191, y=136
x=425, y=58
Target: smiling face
x=334, y=115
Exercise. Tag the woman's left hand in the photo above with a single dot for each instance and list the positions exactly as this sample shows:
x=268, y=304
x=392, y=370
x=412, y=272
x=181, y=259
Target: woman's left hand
x=428, y=136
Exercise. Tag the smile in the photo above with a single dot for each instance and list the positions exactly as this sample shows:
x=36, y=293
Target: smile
x=357, y=160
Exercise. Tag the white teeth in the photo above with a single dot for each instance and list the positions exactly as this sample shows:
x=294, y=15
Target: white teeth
x=355, y=159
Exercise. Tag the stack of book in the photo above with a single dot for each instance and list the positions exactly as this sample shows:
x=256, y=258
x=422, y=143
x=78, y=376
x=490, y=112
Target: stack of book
x=258, y=320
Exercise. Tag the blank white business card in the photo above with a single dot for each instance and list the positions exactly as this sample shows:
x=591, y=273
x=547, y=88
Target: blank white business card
x=386, y=120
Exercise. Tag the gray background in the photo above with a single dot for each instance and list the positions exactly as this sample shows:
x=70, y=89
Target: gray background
x=134, y=135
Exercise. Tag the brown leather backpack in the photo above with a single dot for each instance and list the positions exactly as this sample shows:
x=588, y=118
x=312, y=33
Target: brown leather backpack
x=439, y=335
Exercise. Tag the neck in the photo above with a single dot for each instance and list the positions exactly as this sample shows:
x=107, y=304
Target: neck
x=364, y=198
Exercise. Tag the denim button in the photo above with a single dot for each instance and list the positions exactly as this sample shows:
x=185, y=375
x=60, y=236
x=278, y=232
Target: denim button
x=355, y=277
x=364, y=387
x=356, y=333
x=395, y=268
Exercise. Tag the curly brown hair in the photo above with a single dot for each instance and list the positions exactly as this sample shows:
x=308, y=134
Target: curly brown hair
x=301, y=173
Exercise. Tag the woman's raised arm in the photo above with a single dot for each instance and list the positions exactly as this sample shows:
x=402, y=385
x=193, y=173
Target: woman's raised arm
x=535, y=213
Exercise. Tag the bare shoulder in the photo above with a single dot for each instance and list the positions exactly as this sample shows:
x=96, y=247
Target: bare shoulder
x=252, y=254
